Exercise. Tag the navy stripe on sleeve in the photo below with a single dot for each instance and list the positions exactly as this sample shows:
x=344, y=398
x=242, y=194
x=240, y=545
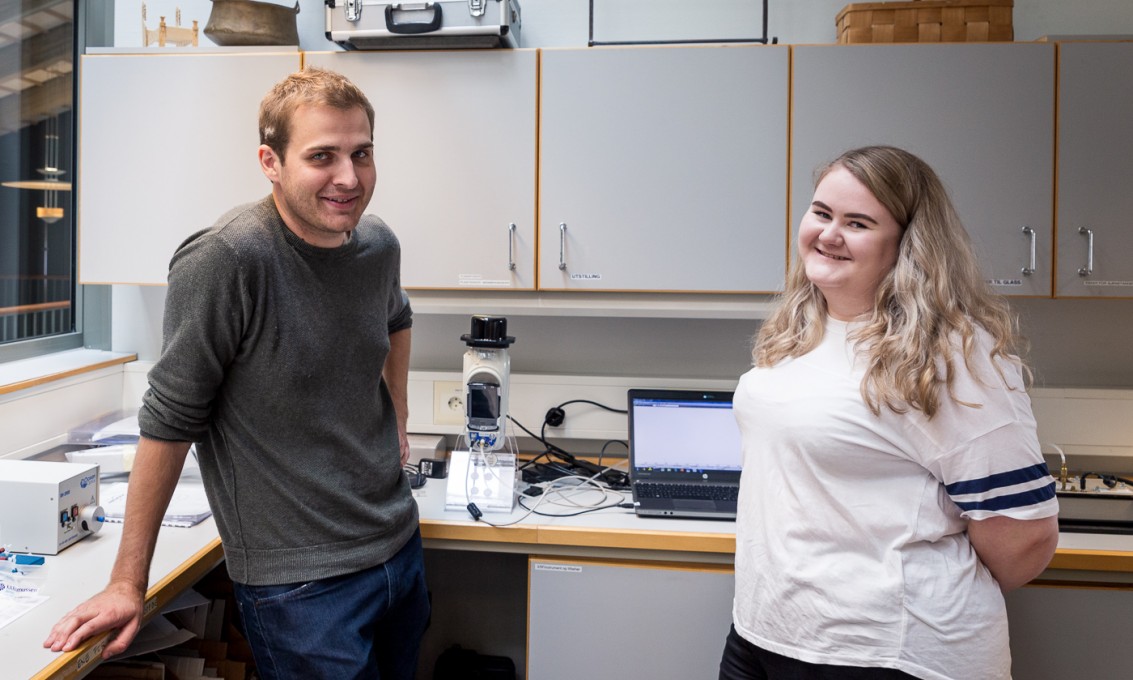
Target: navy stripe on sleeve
x=1015, y=500
x=998, y=480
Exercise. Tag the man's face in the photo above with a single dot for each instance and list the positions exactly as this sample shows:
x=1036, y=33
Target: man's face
x=328, y=177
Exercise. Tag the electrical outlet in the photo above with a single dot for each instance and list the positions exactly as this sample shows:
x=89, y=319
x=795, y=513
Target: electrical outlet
x=448, y=403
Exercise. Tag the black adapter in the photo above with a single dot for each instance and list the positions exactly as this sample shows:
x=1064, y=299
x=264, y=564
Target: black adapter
x=555, y=417
x=436, y=468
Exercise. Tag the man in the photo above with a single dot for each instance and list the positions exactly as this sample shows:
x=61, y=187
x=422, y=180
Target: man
x=285, y=358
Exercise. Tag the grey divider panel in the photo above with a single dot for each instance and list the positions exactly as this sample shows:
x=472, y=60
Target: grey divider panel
x=618, y=620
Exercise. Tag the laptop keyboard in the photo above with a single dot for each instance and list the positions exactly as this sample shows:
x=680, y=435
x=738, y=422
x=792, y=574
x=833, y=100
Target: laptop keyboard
x=710, y=492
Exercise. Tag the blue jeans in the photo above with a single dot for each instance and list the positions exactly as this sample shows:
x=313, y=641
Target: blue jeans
x=363, y=625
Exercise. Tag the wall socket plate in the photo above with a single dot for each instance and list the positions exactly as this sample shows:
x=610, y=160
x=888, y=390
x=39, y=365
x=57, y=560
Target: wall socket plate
x=448, y=402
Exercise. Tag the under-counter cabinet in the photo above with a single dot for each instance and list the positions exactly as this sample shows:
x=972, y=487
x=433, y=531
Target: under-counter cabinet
x=980, y=114
x=625, y=619
x=454, y=143
x=1095, y=145
x=662, y=168
x=167, y=144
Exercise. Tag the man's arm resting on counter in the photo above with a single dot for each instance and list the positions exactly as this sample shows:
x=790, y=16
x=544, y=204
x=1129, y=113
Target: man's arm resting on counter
x=1014, y=550
x=157, y=467
x=396, y=374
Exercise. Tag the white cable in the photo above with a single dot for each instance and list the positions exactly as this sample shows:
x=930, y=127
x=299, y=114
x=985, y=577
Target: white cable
x=1057, y=448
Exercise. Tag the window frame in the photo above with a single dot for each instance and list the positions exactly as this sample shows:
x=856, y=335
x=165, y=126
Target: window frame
x=93, y=23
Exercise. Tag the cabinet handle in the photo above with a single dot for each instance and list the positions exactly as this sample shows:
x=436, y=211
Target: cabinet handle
x=510, y=241
x=1089, y=268
x=1027, y=271
x=562, y=245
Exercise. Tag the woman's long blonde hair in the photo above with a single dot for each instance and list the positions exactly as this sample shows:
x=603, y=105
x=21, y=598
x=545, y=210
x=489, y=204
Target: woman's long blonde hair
x=934, y=295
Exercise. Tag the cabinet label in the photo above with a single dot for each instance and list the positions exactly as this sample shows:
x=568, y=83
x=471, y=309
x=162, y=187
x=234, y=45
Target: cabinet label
x=585, y=277
x=570, y=568
x=1005, y=282
x=476, y=281
x=1109, y=283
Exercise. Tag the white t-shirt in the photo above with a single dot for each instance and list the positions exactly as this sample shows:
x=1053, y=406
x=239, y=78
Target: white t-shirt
x=851, y=546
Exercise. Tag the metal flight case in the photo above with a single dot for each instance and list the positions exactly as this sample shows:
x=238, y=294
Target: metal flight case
x=369, y=25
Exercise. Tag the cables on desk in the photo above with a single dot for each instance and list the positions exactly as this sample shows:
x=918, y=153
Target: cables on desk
x=569, y=465
x=563, y=492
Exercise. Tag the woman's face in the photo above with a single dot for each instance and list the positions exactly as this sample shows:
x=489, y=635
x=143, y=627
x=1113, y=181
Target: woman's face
x=849, y=243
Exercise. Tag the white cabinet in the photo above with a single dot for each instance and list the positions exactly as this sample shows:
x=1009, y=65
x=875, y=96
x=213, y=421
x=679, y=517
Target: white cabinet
x=979, y=114
x=1095, y=145
x=611, y=619
x=167, y=144
x=454, y=143
x=663, y=168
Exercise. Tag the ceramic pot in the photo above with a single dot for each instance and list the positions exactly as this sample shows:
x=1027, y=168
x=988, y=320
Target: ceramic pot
x=247, y=22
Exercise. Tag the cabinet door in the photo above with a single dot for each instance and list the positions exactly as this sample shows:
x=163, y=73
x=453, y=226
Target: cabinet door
x=167, y=144
x=980, y=115
x=662, y=168
x=668, y=620
x=454, y=142
x=1095, y=145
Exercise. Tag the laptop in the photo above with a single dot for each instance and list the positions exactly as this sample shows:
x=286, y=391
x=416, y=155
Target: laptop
x=684, y=453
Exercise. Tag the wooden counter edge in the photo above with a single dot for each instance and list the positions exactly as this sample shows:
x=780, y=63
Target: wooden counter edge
x=677, y=541
x=483, y=533
x=77, y=663
x=8, y=388
x=1092, y=560
x=543, y=535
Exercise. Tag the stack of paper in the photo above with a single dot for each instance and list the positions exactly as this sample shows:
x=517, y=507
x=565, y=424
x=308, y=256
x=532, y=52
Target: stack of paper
x=124, y=431
x=188, y=507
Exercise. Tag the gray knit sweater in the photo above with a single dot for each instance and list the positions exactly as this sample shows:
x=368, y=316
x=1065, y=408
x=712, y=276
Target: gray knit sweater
x=271, y=362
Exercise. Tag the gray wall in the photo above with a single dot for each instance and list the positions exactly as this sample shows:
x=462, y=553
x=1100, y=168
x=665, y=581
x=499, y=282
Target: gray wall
x=1074, y=343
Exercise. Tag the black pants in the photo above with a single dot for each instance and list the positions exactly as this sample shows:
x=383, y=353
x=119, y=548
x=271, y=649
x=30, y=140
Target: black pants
x=744, y=661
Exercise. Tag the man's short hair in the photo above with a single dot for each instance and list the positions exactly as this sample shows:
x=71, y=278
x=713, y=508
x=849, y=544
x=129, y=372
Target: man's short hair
x=313, y=86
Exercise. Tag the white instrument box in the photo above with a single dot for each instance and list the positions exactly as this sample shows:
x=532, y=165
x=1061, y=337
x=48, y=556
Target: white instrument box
x=46, y=506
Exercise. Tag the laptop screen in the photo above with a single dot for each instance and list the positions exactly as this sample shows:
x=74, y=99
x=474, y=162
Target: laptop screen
x=681, y=432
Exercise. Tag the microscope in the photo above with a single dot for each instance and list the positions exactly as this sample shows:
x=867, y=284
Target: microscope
x=487, y=369
x=482, y=474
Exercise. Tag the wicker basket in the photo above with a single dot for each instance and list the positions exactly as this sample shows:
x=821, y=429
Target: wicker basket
x=926, y=21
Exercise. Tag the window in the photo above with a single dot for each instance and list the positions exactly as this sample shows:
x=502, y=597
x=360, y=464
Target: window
x=40, y=303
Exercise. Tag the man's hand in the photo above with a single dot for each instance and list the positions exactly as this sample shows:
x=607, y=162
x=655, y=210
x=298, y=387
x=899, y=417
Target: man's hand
x=396, y=374
x=118, y=606
x=403, y=443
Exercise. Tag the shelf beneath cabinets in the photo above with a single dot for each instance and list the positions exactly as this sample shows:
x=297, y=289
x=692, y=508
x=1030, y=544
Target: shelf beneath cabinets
x=622, y=305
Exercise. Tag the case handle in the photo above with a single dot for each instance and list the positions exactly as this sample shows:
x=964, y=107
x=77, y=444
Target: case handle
x=413, y=27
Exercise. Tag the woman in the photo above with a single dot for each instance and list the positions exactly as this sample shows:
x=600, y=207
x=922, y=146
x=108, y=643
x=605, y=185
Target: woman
x=893, y=487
